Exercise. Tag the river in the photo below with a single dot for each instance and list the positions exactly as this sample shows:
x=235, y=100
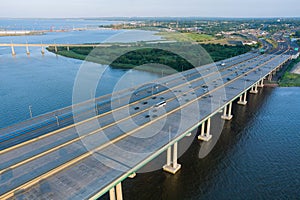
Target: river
x=46, y=82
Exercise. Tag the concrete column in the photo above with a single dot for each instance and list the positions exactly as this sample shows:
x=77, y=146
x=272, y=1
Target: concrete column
x=13, y=53
x=119, y=192
x=205, y=136
x=68, y=48
x=202, y=129
x=115, y=193
x=175, y=148
x=230, y=109
x=270, y=76
x=169, y=155
x=254, y=89
x=55, y=48
x=112, y=194
x=243, y=99
x=208, y=127
x=261, y=83
x=225, y=111
x=227, y=116
x=173, y=167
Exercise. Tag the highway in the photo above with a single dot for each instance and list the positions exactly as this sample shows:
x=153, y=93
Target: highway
x=48, y=122
x=60, y=164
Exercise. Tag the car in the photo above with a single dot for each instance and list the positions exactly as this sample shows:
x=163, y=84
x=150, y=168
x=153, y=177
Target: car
x=160, y=104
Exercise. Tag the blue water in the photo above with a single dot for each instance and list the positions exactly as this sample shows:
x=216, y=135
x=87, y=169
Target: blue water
x=46, y=82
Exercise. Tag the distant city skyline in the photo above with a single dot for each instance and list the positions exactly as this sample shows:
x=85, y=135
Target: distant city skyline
x=148, y=8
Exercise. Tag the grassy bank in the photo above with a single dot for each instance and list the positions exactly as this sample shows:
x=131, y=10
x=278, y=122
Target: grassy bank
x=186, y=37
x=147, y=56
x=290, y=79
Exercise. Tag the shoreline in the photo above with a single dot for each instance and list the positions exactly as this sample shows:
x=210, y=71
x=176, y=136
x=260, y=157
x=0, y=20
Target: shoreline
x=149, y=55
x=289, y=78
x=296, y=69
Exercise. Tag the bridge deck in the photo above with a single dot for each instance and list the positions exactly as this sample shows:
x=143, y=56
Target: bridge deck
x=45, y=123
x=67, y=166
x=59, y=45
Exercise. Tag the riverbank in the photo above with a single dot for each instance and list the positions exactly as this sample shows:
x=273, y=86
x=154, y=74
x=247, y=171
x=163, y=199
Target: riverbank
x=290, y=78
x=201, y=38
x=140, y=55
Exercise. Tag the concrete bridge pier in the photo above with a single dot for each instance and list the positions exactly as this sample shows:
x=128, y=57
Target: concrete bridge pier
x=227, y=114
x=172, y=167
x=261, y=83
x=116, y=192
x=55, y=49
x=243, y=99
x=205, y=136
x=278, y=68
x=254, y=89
x=13, y=53
x=270, y=77
x=133, y=175
x=188, y=135
x=68, y=48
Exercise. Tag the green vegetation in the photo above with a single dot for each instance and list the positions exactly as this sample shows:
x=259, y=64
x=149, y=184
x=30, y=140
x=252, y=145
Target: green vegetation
x=186, y=37
x=274, y=43
x=147, y=56
x=220, y=52
x=290, y=79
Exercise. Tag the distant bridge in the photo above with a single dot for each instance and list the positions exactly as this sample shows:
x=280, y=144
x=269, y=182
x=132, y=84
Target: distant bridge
x=43, y=46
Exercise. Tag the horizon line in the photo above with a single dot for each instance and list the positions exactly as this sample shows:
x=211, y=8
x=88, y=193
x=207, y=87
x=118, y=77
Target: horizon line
x=131, y=17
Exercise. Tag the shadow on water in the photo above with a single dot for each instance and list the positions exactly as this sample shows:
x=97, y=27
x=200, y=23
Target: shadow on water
x=198, y=177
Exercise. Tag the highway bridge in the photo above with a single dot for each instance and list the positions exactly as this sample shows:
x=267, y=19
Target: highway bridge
x=43, y=46
x=46, y=158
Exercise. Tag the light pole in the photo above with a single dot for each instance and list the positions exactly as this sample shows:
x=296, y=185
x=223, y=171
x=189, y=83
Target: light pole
x=30, y=111
x=57, y=121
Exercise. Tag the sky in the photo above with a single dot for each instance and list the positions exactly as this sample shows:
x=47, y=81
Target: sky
x=148, y=8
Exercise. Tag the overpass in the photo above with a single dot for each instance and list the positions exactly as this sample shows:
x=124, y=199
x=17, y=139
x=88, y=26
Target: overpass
x=60, y=164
